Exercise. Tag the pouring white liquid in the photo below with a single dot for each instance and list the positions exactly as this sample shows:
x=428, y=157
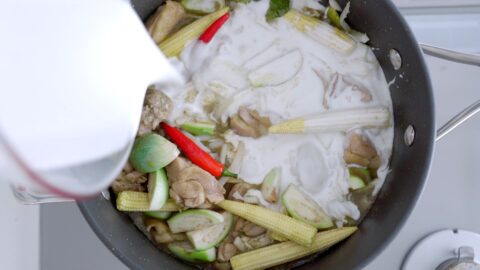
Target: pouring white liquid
x=73, y=78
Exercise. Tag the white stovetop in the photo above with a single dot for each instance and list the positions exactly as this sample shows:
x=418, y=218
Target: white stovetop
x=450, y=200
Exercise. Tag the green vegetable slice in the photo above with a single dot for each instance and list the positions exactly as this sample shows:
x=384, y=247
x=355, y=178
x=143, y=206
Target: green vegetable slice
x=277, y=8
x=203, y=6
x=355, y=182
x=211, y=236
x=199, y=128
x=334, y=18
x=185, y=251
x=157, y=189
x=152, y=152
x=270, y=185
x=159, y=214
x=361, y=172
x=300, y=206
x=195, y=219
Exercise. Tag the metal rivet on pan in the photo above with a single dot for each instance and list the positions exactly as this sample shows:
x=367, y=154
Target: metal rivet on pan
x=409, y=135
x=395, y=59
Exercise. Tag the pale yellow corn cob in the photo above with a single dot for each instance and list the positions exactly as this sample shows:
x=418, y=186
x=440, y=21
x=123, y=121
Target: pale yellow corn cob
x=139, y=202
x=321, y=31
x=285, y=226
x=281, y=253
x=173, y=45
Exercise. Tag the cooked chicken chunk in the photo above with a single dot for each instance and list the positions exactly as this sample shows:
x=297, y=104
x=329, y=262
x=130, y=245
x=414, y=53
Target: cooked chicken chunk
x=226, y=251
x=361, y=151
x=174, y=168
x=129, y=179
x=192, y=186
x=156, y=108
x=249, y=123
x=189, y=194
x=245, y=243
x=251, y=229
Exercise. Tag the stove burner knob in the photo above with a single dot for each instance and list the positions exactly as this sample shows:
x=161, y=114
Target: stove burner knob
x=463, y=261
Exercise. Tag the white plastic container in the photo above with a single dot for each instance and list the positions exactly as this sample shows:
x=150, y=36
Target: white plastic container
x=73, y=78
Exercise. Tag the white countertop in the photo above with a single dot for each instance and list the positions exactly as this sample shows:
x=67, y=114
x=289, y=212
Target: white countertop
x=449, y=200
x=19, y=232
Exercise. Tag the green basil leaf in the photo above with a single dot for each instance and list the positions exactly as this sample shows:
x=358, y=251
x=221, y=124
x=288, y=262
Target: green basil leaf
x=277, y=8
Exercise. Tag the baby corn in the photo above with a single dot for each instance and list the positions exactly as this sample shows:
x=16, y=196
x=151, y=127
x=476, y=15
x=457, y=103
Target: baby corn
x=285, y=226
x=138, y=201
x=339, y=120
x=322, y=32
x=288, y=251
x=173, y=45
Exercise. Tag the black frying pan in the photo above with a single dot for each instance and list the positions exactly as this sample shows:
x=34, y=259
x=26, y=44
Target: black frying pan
x=412, y=105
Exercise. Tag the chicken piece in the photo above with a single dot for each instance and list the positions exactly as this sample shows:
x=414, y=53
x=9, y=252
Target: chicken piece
x=245, y=243
x=160, y=231
x=239, y=225
x=156, y=108
x=129, y=180
x=226, y=251
x=361, y=151
x=165, y=20
x=193, y=187
x=214, y=191
x=252, y=230
x=206, y=205
x=260, y=241
x=175, y=167
x=189, y=194
x=249, y=123
x=247, y=228
x=222, y=266
x=239, y=190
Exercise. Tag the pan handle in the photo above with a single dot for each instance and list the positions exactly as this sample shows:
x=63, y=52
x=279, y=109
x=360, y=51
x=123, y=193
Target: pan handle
x=459, y=57
x=454, y=56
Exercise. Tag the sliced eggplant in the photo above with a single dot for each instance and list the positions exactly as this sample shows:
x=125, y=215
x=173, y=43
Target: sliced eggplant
x=185, y=251
x=203, y=6
x=300, y=206
x=151, y=152
x=211, y=236
x=361, y=172
x=157, y=189
x=270, y=185
x=355, y=182
x=277, y=71
x=158, y=214
x=196, y=219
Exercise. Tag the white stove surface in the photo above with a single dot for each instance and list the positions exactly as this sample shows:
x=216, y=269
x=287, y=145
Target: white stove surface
x=450, y=198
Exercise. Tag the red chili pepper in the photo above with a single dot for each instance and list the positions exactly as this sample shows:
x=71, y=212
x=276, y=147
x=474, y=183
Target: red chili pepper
x=199, y=157
x=213, y=28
